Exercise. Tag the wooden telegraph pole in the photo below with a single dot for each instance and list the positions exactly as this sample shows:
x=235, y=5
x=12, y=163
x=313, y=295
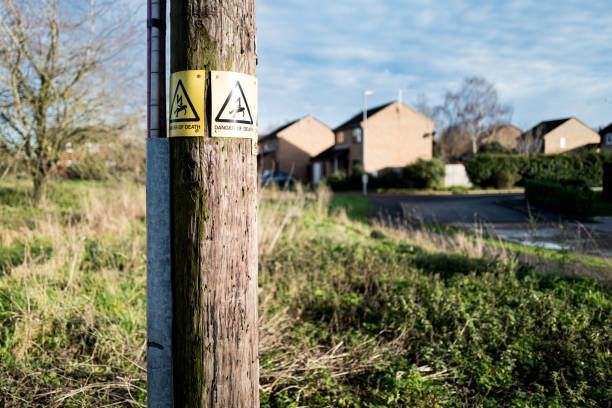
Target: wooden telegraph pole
x=213, y=214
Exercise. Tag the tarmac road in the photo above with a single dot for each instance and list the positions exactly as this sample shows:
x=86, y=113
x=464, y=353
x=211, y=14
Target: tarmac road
x=452, y=209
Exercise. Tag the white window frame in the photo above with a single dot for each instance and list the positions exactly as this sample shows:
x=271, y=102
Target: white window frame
x=562, y=143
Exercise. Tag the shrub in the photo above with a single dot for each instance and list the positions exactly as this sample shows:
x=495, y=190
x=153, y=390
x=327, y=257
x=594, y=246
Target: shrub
x=342, y=182
x=424, y=174
x=570, y=196
x=505, y=180
x=607, y=182
x=485, y=168
x=389, y=178
x=89, y=167
x=421, y=174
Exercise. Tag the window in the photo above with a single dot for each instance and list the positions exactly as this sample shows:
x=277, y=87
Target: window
x=357, y=135
x=562, y=142
x=340, y=138
x=609, y=139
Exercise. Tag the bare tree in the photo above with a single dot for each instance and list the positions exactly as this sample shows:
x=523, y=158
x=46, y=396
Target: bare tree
x=432, y=112
x=531, y=141
x=472, y=111
x=60, y=66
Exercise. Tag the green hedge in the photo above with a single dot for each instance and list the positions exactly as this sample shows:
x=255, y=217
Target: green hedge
x=485, y=169
x=568, y=196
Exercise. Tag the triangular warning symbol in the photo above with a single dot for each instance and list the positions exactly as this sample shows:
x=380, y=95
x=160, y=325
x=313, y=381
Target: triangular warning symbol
x=235, y=109
x=181, y=108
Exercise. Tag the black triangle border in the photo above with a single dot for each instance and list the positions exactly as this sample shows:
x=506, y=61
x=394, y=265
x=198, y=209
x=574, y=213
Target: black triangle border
x=197, y=117
x=246, y=103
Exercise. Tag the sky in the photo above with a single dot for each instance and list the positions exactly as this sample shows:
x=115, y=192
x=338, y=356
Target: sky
x=548, y=59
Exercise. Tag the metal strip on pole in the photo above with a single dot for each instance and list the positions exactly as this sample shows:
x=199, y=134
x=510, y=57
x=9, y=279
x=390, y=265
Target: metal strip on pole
x=159, y=288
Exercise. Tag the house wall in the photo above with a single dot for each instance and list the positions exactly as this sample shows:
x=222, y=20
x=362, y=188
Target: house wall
x=508, y=136
x=605, y=138
x=347, y=137
x=298, y=143
x=576, y=134
x=268, y=162
x=397, y=136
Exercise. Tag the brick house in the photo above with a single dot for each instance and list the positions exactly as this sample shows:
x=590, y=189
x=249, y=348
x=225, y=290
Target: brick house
x=558, y=136
x=396, y=136
x=290, y=147
x=606, y=137
x=506, y=135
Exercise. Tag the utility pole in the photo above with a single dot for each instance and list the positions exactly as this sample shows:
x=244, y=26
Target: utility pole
x=213, y=183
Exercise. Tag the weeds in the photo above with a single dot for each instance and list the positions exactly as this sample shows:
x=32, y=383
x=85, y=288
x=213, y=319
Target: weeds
x=350, y=315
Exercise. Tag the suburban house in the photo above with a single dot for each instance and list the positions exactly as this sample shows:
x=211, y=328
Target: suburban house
x=558, y=136
x=506, y=135
x=606, y=137
x=396, y=136
x=290, y=147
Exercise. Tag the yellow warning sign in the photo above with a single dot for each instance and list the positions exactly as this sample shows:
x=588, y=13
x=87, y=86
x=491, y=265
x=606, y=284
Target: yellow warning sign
x=187, y=103
x=234, y=105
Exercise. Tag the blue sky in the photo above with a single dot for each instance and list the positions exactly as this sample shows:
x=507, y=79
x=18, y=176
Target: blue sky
x=548, y=59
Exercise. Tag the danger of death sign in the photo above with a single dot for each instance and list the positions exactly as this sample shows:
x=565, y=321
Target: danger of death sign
x=234, y=105
x=187, y=103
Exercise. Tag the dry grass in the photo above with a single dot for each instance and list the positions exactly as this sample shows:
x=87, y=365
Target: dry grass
x=71, y=343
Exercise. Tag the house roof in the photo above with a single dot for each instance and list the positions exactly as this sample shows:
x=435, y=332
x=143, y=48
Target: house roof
x=606, y=130
x=510, y=125
x=547, y=126
x=331, y=152
x=275, y=132
x=356, y=120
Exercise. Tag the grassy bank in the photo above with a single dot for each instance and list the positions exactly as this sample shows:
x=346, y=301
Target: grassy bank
x=351, y=316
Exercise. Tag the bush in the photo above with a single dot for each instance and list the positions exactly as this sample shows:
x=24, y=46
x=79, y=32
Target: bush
x=389, y=178
x=505, y=180
x=89, y=167
x=607, y=182
x=424, y=174
x=484, y=169
x=570, y=196
x=493, y=147
x=342, y=182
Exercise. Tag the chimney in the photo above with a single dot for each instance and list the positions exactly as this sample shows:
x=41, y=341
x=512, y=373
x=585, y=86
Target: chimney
x=399, y=98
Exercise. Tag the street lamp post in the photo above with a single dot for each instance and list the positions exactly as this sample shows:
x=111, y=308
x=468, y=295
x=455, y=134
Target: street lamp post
x=364, y=176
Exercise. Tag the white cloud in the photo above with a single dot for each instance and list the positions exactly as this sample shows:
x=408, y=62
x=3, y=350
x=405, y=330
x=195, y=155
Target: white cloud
x=548, y=58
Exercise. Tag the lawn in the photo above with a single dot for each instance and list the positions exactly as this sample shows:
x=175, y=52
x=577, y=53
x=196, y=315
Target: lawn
x=351, y=315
